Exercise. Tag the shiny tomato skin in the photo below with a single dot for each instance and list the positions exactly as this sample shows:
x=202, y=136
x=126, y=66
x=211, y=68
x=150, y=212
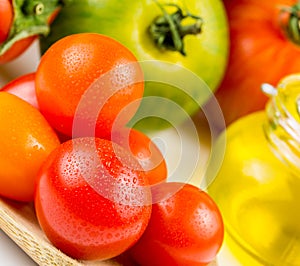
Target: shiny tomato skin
x=186, y=228
x=260, y=52
x=23, y=87
x=145, y=151
x=26, y=141
x=6, y=18
x=79, y=219
x=68, y=69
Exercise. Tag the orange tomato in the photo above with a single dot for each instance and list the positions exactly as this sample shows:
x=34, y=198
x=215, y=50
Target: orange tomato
x=65, y=75
x=26, y=139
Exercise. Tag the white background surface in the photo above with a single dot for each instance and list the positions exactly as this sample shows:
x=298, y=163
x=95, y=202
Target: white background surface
x=10, y=253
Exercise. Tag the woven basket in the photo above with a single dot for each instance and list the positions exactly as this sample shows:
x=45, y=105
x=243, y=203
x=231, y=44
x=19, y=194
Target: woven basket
x=19, y=222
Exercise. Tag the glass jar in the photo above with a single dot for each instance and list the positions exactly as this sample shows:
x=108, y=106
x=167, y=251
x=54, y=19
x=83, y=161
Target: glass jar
x=258, y=186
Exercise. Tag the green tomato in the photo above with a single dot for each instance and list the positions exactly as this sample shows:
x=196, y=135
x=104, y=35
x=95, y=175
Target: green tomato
x=176, y=39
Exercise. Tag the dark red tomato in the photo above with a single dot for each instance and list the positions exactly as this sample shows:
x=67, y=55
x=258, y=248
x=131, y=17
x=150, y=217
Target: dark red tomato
x=90, y=201
x=145, y=151
x=6, y=18
x=186, y=228
x=64, y=81
x=24, y=88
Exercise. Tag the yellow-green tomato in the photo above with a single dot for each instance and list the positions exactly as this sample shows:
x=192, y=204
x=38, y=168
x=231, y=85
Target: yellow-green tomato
x=175, y=40
x=25, y=142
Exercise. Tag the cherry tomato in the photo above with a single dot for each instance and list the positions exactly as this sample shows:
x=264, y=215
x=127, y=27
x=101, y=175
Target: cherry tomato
x=22, y=22
x=26, y=141
x=185, y=228
x=90, y=201
x=6, y=18
x=23, y=87
x=145, y=151
x=69, y=68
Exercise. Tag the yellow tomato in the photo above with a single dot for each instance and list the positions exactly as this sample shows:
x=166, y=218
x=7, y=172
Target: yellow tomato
x=26, y=139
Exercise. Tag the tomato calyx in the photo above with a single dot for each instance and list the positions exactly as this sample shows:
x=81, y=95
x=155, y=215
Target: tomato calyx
x=168, y=30
x=31, y=18
x=34, y=8
x=290, y=22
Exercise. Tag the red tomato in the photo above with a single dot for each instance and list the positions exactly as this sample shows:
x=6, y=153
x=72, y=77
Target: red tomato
x=90, y=201
x=145, y=151
x=26, y=141
x=260, y=52
x=185, y=228
x=21, y=45
x=17, y=49
x=6, y=18
x=69, y=68
x=24, y=88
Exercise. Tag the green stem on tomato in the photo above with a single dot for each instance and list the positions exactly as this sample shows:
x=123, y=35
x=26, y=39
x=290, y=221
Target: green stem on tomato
x=167, y=30
x=31, y=18
x=291, y=27
x=33, y=8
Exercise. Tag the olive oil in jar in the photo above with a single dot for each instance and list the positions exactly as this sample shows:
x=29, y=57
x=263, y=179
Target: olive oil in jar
x=258, y=186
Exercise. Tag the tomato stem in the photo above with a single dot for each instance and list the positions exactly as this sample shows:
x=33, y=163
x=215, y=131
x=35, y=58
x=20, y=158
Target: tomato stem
x=168, y=32
x=33, y=7
x=291, y=22
x=31, y=18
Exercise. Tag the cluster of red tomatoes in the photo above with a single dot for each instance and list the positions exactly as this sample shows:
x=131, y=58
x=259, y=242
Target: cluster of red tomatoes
x=99, y=188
